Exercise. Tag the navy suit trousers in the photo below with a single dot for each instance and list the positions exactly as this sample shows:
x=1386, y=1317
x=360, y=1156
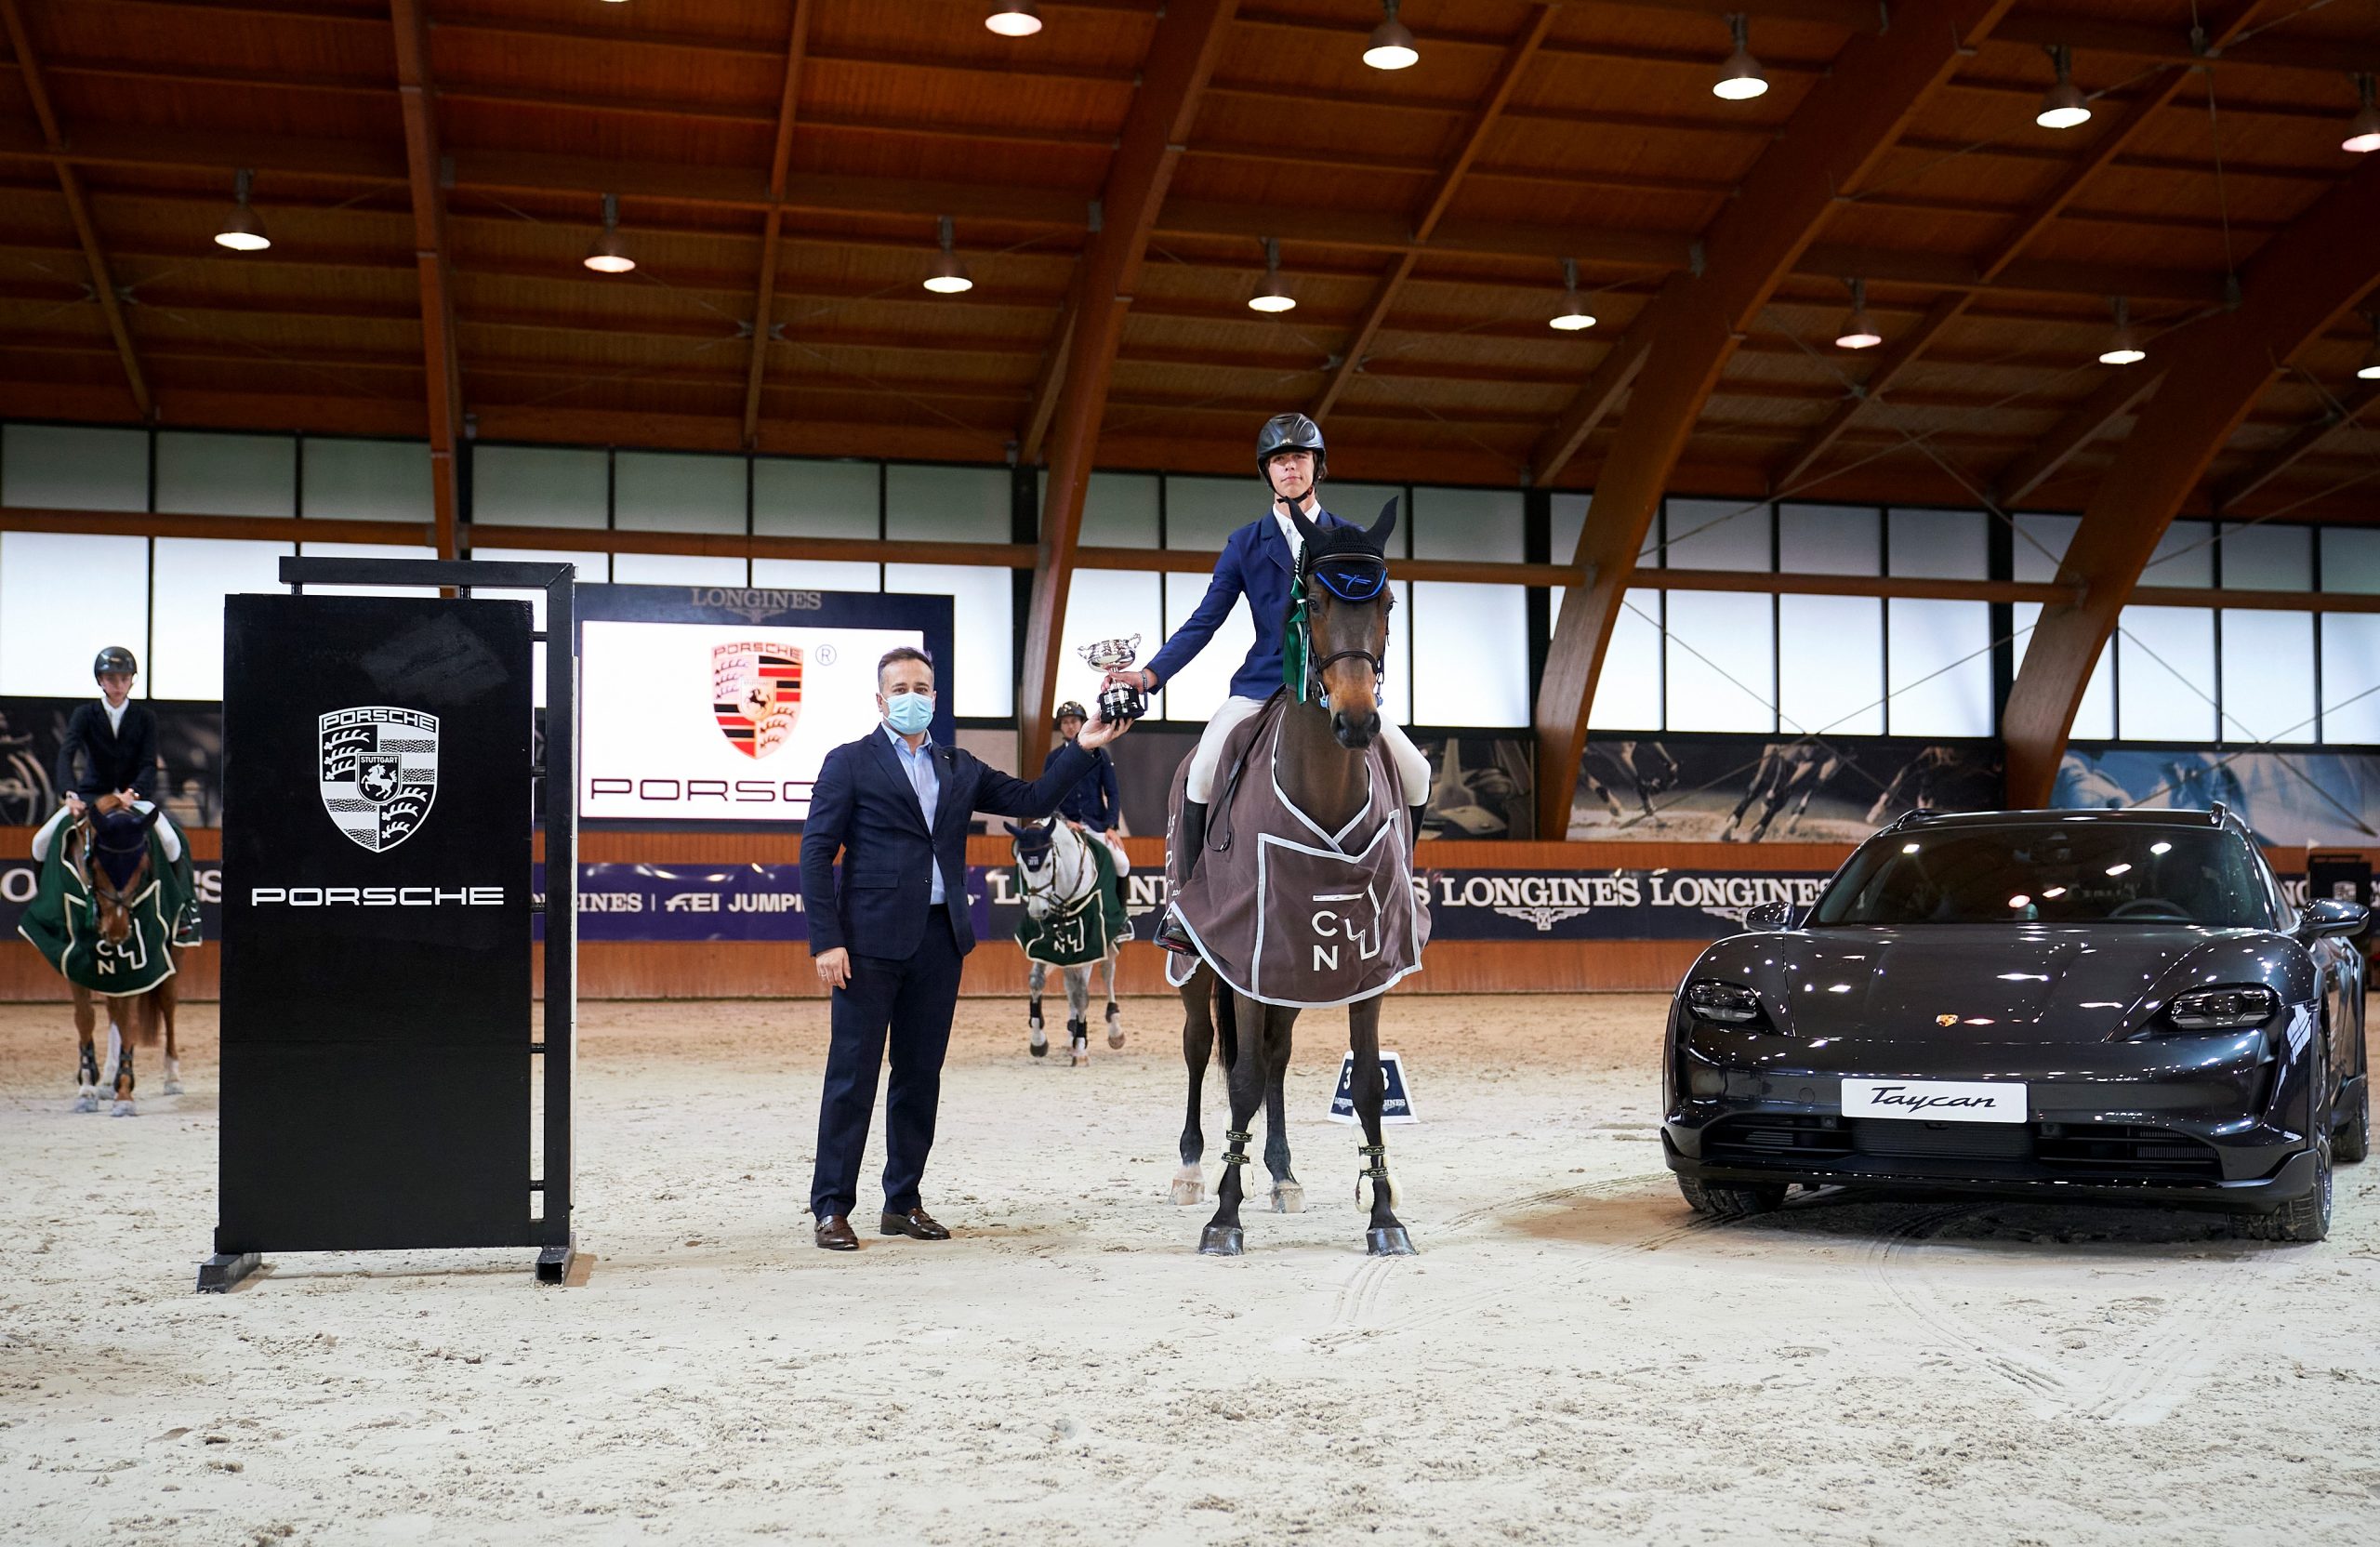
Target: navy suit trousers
x=909, y=1002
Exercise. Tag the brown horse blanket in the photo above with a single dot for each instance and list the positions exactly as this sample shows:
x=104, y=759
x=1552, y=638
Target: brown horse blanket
x=1287, y=913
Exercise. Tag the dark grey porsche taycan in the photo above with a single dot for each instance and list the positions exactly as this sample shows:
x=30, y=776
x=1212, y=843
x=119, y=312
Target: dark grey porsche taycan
x=2083, y=1004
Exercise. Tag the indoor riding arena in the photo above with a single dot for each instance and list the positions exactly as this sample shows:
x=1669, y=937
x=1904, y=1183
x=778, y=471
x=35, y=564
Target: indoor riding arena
x=1188, y=771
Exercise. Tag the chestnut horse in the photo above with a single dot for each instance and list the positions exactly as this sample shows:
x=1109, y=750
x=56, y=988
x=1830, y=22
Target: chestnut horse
x=106, y=854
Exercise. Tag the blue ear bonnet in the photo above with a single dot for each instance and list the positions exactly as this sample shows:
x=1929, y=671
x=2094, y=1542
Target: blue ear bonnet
x=1352, y=576
x=1350, y=560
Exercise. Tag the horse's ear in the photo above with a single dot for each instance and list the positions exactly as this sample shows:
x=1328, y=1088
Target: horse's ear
x=1306, y=529
x=1013, y=830
x=1385, y=525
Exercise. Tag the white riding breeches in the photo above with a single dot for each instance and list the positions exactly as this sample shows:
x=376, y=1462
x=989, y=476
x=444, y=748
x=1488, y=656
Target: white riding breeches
x=1413, y=768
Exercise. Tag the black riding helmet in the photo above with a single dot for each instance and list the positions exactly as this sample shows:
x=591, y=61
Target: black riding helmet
x=1291, y=432
x=1069, y=707
x=116, y=657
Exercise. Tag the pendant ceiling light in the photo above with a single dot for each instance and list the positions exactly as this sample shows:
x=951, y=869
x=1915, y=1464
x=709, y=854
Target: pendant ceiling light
x=1015, y=19
x=948, y=276
x=1858, y=330
x=243, y=229
x=2062, y=105
x=1574, y=314
x=2370, y=369
x=2364, y=129
x=1740, y=79
x=1392, y=44
x=610, y=255
x=1272, y=295
x=2123, y=344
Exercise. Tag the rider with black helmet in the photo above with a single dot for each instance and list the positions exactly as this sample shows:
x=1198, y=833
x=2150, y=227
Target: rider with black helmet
x=1257, y=562
x=1094, y=803
x=111, y=748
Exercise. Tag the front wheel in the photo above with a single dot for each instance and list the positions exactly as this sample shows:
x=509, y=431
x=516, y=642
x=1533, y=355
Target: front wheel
x=1731, y=1201
x=2307, y=1217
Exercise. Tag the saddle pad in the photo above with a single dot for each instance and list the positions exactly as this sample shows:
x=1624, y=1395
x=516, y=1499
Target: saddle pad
x=1288, y=914
x=62, y=921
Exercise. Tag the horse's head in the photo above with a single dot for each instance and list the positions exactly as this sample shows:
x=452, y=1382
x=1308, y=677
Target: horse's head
x=1035, y=846
x=1343, y=570
x=115, y=850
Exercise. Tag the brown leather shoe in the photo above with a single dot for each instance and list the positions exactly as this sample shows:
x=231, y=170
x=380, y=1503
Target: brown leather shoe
x=917, y=1224
x=834, y=1233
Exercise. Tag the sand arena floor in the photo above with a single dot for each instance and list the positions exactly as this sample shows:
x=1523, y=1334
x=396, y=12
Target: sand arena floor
x=1572, y=1357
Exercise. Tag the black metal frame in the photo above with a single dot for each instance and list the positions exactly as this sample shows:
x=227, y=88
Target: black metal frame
x=557, y=1036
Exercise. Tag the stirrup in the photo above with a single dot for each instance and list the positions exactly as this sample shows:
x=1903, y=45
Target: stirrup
x=1172, y=936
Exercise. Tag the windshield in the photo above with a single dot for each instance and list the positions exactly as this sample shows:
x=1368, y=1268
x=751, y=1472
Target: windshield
x=2068, y=872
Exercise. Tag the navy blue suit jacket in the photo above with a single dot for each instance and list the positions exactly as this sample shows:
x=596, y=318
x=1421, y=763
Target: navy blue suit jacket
x=1096, y=801
x=864, y=807
x=1255, y=563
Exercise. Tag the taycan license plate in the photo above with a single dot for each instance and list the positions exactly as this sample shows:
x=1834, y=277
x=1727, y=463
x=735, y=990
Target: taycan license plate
x=1935, y=1101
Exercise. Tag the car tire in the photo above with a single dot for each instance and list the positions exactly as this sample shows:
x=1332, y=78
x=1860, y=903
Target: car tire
x=1731, y=1201
x=2307, y=1217
x=2353, y=1140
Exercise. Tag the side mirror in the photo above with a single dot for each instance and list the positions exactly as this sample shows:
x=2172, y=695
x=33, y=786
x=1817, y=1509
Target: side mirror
x=1770, y=916
x=2328, y=916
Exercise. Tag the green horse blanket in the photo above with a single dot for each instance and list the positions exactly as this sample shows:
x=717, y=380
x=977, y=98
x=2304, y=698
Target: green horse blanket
x=62, y=921
x=1082, y=930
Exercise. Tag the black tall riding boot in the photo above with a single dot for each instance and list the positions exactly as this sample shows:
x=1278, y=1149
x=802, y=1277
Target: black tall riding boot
x=1193, y=836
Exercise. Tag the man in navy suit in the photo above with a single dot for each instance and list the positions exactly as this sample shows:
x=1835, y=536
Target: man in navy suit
x=1258, y=561
x=889, y=942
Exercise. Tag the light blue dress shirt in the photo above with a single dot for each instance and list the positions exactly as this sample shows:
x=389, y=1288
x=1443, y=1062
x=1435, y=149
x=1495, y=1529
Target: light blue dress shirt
x=928, y=784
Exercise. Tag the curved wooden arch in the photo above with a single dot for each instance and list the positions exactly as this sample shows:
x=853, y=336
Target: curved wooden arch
x=1848, y=120
x=2295, y=287
x=1181, y=58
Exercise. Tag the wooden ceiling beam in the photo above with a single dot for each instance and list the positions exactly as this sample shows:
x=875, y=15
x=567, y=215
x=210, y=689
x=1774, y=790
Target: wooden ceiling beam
x=2006, y=247
x=780, y=156
x=424, y=166
x=2279, y=459
x=1468, y=142
x=2294, y=289
x=1173, y=78
x=2122, y=391
x=78, y=208
x=1826, y=151
x=2171, y=44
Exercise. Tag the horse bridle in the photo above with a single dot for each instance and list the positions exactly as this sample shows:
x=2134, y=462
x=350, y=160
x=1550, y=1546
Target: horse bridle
x=95, y=872
x=1356, y=578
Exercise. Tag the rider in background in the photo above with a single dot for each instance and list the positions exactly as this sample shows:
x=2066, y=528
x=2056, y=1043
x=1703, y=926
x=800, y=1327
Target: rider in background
x=1094, y=804
x=1257, y=562
x=115, y=743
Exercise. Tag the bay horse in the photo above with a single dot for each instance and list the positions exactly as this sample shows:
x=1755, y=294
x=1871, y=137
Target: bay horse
x=1321, y=768
x=1067, y=894
x=116, y=837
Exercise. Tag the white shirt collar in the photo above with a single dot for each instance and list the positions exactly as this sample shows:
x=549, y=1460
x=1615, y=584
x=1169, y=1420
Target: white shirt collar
x=1289, y=530
x=115, y=712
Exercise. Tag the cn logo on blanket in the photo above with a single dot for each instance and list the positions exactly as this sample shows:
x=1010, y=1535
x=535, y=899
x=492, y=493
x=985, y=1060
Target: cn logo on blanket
x=380, y=772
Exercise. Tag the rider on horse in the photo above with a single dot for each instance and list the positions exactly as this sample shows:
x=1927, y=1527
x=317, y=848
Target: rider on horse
x=1258, y=561
x=1094, y=804
x=115, y=740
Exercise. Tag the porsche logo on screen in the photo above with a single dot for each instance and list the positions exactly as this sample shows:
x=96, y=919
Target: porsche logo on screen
x=720, y=722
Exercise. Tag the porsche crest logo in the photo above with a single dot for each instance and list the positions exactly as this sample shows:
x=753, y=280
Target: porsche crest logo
x=756, y=694
x=1946, y=1019
x=380, y=772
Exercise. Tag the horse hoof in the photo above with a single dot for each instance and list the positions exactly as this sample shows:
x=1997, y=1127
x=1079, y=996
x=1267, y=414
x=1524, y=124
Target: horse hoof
x=173, y=1087
x=1391, y=1242
x=1188, y=1190
x=1289, y=1197
x=1223, y=1240
x=1038, y=1050
x=87, y=1101
x=1115, y=1035
x=124, y=1109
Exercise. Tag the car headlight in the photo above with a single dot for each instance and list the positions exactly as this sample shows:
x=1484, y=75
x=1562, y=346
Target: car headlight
x=1728, y=1003
x=2223, y=1009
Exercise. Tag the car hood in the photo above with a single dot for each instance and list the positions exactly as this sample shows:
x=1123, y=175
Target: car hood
x=1994, y=983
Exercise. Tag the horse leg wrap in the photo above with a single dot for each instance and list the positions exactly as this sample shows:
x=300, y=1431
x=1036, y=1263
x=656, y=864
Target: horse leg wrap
x=86, y=1072
x=1376, y=1173
x=1236, y=1153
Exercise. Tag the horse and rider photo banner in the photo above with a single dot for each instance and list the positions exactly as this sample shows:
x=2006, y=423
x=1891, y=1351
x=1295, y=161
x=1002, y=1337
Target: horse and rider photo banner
x=1744, y=789
x=376, y=964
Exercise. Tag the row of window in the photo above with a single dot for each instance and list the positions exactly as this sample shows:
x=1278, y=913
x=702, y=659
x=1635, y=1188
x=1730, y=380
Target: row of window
x=1680, y=659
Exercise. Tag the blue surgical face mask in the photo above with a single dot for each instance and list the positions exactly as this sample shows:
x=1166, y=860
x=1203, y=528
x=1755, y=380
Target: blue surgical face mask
x=908, y=712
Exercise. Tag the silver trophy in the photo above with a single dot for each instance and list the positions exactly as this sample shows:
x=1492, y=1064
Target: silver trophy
x=1122, y=701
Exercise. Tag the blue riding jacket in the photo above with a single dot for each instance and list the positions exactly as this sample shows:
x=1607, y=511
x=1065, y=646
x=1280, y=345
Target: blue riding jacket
x=1256, y=564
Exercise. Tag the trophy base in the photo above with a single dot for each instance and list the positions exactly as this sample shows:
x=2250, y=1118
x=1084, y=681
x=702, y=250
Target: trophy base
x=1122, y=703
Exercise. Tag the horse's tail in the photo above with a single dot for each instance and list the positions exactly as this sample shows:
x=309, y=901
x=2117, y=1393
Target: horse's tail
x=1227, y=1022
